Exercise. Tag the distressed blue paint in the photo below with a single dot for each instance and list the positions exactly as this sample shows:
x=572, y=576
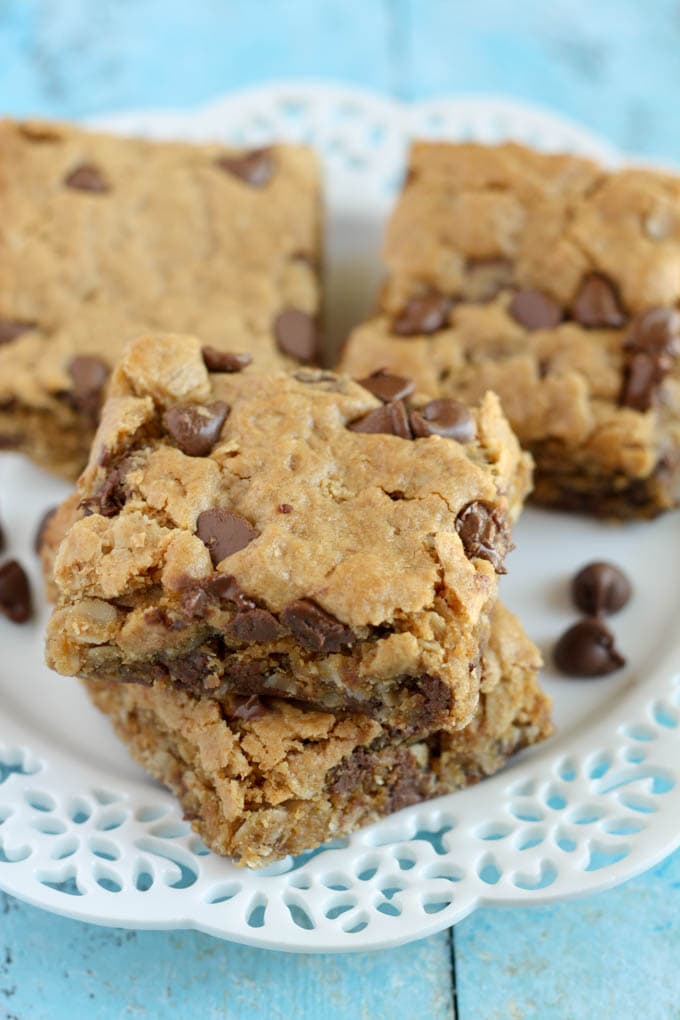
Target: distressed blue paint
x=53, y=969
x=613, y=65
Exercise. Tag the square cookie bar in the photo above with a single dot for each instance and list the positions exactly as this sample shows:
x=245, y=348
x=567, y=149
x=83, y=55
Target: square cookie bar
x=556, y=284
x=264, y=778
x=287, y=534
x=103, y=238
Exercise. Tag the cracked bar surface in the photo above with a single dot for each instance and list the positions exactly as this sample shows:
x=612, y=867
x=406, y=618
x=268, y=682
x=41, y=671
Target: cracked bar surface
x=255, y=534
x=556, y=284
x=103, y=238
x=262, y=780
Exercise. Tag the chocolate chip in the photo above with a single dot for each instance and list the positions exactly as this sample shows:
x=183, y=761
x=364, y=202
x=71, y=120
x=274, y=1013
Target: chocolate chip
x=15, y=593
x=247, y=708
x=114, y=493
x=285, y=508
x=160, y=617
x=387, y=387
x=87, y=177
x=535, y=310
x=426, y=313
x=10, y=329
x=655, y=332
x=390, y=419
x=224, y=533
x=42, y=528
x=255, y=168
x=190, y=670
x=600, y=588
x=597, y=304
x=198, y=598
x=297, y=334
x=587, y=649
x=255, y=625
x=448, y=418
x=196, y=427
x=314, y=628
x=89, y=375
x=224, y=361
x=642, y=377
x=484, y=533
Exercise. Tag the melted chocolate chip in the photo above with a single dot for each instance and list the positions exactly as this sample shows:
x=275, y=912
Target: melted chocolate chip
x=42, y=528
x=484, y=534
x=642, y=377
x=189, y=670
x=224, y=361
x=297, y=334
x=247, y=708
x=285, y=508
x=424, y=314
x=314, y=628
x=348, y=774
x=87, y=177
x=387, y=387
x=597, y=304
x=224, y=533
x=89, y=375
x=255, y=168
x=113, y=494
x=196, y=428
x=10, y=329
x=15, y=592
x=199, y=597
x=587, y=649
x=255, y=625
x=600, y=588
x=448, y=418
x=535, y=310
x=390, y=419
x=655, y=332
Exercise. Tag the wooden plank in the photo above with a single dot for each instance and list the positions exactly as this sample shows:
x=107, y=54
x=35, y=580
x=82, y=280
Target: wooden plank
x=610, y=956
x=56, y=969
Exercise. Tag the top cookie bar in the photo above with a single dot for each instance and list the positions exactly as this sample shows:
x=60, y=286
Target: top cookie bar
x=103, y=238
x=555, y=283
x=293, y=535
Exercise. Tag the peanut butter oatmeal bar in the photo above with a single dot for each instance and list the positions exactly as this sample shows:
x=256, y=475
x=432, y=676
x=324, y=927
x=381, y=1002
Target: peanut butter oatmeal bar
x=287, y=534
x=556, y=284
x=260, y=779
x=103, y=238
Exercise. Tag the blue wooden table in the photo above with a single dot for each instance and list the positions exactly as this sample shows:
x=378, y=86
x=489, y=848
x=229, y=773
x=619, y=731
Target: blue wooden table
x=615, y=66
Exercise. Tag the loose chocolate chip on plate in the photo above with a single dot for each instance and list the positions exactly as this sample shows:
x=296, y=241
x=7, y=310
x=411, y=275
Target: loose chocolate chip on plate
x=224, y=533
x=87, y=178
x=426, y=313
x=255, y=168
x=42, y=528
x=484, y=533
x=255, y=625
x=387, y=387
x=448, y=418
x=315, y=629
x=15, y=593
x=196, y=427
x=224, y=361
x=597, y=304
x=10, y=329
x=600, y=588
x=587, y=649
x=89, y=375
x=535, y=310
x=390, y=419
x=297, y=334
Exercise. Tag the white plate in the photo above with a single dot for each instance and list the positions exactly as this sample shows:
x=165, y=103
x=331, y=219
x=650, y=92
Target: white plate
x=85, y=833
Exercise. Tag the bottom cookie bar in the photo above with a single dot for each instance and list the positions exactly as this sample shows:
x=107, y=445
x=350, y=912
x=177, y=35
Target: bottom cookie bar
x=260, y=780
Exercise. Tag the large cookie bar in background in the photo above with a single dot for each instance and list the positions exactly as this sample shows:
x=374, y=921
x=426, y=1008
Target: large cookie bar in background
x=103, y=238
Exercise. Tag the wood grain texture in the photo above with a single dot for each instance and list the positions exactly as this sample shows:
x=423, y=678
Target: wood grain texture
x=614, y=66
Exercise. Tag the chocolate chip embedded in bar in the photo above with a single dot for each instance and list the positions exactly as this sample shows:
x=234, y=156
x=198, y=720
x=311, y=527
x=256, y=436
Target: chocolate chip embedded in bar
x=552, y=282
x=68, y=206
x=279, y=548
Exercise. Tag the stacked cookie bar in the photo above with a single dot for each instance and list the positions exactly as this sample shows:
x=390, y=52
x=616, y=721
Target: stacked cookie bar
x=103, y=238
x=554, y=283
x=282, y=589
